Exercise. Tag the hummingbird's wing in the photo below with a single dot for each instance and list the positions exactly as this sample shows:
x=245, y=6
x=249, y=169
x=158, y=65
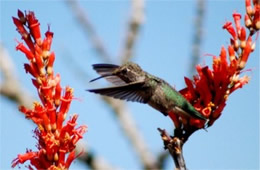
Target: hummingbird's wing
x=106, y=71
x=135, y=92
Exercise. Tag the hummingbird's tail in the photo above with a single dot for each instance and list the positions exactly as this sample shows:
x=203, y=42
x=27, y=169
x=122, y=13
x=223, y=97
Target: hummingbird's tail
x=188, y=110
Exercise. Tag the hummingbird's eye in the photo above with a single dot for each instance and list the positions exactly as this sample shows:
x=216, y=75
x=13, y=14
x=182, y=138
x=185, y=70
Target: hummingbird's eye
x=124, y=70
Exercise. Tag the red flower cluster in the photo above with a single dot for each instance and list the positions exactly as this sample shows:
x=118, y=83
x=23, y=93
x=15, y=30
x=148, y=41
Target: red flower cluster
x=210, y=89
x=55, y=140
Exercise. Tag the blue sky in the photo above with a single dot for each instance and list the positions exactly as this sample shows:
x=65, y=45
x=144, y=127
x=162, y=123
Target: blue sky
x=163, y=49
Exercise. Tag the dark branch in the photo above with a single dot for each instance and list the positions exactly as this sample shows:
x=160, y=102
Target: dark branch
x=174, y=145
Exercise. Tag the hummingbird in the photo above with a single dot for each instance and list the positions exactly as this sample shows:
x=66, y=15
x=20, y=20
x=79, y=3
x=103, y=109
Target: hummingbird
x=131, y=83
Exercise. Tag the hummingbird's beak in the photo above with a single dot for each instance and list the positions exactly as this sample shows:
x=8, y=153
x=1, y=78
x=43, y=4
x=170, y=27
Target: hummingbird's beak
x=103, y=76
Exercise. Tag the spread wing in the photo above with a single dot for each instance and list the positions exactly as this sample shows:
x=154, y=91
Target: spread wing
x=135, y=92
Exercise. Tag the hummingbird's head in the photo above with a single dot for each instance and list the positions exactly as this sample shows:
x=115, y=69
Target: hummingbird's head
x=130, y=66
x=130, y=72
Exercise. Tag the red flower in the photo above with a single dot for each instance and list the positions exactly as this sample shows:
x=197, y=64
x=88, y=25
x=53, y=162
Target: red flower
x=248, y=22
x=256, y=20
x=55, y=140
x=237, y=18
x=34, y=26
x=229, y=27
x=243, y=37
x=209, y=90
x=249, y=9
x=47, y=41
x=21, y=16
x=25, y=50
x=246, y=53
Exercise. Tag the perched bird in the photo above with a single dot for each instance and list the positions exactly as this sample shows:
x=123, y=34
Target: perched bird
x=134, y=84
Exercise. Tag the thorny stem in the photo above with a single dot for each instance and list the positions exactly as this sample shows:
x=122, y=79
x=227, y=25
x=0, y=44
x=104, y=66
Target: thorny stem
x=174, y=145
x=177, y=153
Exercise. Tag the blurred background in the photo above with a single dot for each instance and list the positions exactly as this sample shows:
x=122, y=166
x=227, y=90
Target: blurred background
x=166, y=38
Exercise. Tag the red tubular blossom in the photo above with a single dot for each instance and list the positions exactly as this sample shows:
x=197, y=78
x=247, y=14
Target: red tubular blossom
x=46, y=121
x=21, y=16
x=34, y=26
x=190, y=88
x=25, y=50
x=256, y=21
x=243, y=38
x=46, y=46
x=234, y=43
x=231, y=53
x=69, y=127
x=40, y=64
x=36, y=32
x=248, y=21
x=185, y=92
x=215, y=115
x=52, y=116
x=46, y=91
x=21, y=158
x=71, y=123
x=28, y=69
x=175, y=119
x=62, y=153
x=35, y=83
x=229, y=27
x=66, y=100
x=47, y=41
x=207, y=80
x=233, y=67
x=29, y=43
x=219, y=97
x=246, y=52
x=20, y=28
x=240, y=83
x=203, y=89
x=24, y=110
x=38, y=50
x=38, y=108
x=57, y=94
x=249, y=9
x=50, y=63
x=218, y=111
x=196, y=123
x=256, y=2
x=78, y=134
x=32, y=69
x=220, y=70
x=60, y=119
x=237, y=18
x=223, y=58
x=70, y=158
